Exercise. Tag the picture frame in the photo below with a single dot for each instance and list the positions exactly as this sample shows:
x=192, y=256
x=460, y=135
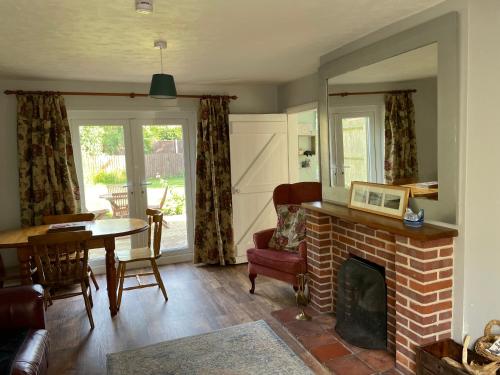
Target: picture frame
x=380, y=199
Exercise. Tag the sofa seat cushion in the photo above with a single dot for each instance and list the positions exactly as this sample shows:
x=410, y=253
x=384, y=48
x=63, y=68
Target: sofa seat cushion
x=279, y=260
x=10, y=343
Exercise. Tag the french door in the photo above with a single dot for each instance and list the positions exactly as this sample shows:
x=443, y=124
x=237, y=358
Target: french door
x=125, y=166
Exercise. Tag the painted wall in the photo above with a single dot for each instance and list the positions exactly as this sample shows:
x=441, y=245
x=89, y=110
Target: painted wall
x=425, y=102
x=301, y=91
x=252, y=99
x=482, y=199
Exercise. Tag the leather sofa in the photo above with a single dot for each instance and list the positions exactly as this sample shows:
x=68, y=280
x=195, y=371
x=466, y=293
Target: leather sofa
x=24, y=342
x=278, y=264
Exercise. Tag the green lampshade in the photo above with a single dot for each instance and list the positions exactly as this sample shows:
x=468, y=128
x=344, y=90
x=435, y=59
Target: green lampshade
x=162, y=87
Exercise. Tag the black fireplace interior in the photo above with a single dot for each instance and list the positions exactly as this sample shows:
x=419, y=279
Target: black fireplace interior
x=362, y=304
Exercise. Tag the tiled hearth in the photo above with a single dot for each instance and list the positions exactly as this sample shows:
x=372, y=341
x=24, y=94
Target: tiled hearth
x=419, y=275
x=319, y=338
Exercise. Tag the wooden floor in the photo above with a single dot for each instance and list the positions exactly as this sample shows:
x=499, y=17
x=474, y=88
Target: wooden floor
x=201, y=299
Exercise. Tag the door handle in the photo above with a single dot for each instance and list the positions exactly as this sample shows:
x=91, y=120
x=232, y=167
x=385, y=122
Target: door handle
x=235, y=190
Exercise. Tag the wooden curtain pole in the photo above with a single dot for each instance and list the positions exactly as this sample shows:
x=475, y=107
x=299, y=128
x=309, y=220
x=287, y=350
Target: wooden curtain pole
x=130, y=95
x=371, y=92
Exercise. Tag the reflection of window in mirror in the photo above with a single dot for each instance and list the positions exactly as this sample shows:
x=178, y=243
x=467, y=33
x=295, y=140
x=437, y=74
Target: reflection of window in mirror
x=357, y=135
x=383, y=123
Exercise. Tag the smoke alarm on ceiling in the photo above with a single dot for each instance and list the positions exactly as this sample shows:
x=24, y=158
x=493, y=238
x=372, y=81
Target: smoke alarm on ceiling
x=144, y=6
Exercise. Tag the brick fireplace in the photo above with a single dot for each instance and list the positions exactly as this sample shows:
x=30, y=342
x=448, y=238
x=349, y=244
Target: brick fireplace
x=418, y=267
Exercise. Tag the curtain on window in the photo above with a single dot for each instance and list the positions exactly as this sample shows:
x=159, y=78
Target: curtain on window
x=213, y=242
x=47, y=176
x=401, y=164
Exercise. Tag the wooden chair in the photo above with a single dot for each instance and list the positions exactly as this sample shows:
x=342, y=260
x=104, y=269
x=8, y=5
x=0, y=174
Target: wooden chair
x=162, y=203
x=119, y=204
x=124, y=257
x=71, y=218
x=62, y=261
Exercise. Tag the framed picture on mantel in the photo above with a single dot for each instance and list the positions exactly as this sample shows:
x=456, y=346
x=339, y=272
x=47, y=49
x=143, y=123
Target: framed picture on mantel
x=380, y=199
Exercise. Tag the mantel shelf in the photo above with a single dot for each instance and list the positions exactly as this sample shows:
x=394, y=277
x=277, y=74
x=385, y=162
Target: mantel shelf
x=425, y=233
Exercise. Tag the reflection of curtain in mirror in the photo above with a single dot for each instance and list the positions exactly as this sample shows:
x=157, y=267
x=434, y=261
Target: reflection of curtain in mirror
x=401, y=164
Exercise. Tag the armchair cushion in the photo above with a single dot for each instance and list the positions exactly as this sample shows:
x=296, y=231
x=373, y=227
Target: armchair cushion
x=282, y=261
x=261, y=239
x=291, y=228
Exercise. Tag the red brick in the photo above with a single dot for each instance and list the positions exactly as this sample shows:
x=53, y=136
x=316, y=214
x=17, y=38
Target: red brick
x=401, y=280
x=446, y=273
x=401, y=259
x=376, y=260
x=429, y=309
x=346, y=224
x=408, y=353
x=445, y=295
x=417, y=253
x=446, y=252
x=365, y=230
x=401, y=239
x=432, y=287
x=365, y=247
x=338, y=230
x=375, y=242
x=445, y=315
x=402, y=320
x=425, y=331
x=390, y=247
x=318, y=220
x=355, y=235
x=433, y=243
x=338, y=244
x=386, y=255
x=422, y=277
x=385, y=236
x=433, y=265
x=420, y=298
x=400, y=299
x=423, y=320
x=347, y=240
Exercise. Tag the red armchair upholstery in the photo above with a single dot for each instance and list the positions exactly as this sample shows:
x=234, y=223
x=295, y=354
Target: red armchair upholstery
x=278, y=264
x=24, y=342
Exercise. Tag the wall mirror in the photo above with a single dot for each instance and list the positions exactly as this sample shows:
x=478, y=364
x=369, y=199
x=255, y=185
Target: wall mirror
x=389, y=113
x=383, y=123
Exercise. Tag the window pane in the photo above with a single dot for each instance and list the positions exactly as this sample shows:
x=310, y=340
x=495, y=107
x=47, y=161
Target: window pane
x=355, y=136
x=164, y=170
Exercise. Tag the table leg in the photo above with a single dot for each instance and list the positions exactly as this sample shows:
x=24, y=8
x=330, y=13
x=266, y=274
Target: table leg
x=23, y=256
x=109, y=245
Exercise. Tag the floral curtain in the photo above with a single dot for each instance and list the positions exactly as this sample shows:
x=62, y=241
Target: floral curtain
x=401, y=164
x=213, y=242
x=47, y=176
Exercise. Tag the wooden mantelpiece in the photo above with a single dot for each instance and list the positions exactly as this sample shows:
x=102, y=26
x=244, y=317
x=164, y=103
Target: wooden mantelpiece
x=427, y=232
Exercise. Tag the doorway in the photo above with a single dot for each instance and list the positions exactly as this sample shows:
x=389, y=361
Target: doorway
x=125, y=166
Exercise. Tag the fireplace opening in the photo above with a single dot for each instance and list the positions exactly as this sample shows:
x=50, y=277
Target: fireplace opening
x=362, y=304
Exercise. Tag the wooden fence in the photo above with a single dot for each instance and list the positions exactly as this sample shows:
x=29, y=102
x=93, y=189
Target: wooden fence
x=163, y=164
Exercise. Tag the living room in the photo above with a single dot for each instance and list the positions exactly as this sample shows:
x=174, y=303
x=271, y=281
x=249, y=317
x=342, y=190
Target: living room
x=190, y=141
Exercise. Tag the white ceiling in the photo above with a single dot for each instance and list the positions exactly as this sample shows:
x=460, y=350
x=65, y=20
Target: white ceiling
x=210, y=41
x=416, y=64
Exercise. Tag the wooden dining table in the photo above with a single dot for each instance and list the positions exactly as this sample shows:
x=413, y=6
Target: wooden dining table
x=104, y=233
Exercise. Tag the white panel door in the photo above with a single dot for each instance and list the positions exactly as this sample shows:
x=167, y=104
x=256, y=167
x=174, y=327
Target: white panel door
x=259, y=163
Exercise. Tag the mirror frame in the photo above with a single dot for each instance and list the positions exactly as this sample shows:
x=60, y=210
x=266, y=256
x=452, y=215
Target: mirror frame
x=444, y=31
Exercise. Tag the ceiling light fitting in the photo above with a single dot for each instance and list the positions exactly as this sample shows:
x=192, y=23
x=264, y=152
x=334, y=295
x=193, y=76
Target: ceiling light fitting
x=162, y=85
x=144, y=6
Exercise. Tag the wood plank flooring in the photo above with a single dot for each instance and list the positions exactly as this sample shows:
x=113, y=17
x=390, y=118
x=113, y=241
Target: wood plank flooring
x=201, y=299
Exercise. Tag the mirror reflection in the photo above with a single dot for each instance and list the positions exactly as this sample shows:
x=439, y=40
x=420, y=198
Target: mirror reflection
x=383, y=123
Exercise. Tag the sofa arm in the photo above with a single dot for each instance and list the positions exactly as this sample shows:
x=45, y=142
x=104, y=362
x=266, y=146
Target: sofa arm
x=22, y=307
x=261, y=239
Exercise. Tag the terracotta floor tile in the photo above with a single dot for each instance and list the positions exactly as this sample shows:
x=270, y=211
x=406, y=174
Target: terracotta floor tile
x=327, y=352
x=392, y=372
x=379, y=360
x=349, y=366
x=352, y=348
x=304, y=328
x=310, y=342
x=285, y=315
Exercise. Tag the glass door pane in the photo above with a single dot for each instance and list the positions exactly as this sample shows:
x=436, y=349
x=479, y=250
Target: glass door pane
x=355, y=132
x=105, y=180
x=165, y=181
